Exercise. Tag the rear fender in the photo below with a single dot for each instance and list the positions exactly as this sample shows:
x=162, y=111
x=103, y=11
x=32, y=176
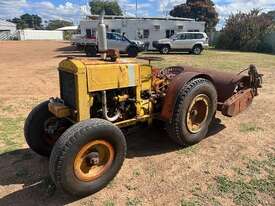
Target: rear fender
x=173, y=92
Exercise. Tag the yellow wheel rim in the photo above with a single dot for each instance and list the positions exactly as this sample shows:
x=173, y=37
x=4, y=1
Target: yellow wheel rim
x=93, y=160
x=197, y=113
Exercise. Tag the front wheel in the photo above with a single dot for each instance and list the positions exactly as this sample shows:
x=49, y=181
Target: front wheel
x=194, y=110
x=42, y=129
x=132, y=52
x=87, y=157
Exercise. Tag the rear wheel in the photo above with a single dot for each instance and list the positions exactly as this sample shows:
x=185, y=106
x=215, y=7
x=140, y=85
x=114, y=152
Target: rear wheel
x=197, y=49
x=165, y=49
x=87, y=157
x=132, y=51
x=42, y=129
x=91, y=51
x=194, y=110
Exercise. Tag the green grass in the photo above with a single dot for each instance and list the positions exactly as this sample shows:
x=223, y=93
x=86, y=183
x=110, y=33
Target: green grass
x=251, y=183
x=220, y=60
x=11, y=133
x=108, y=203
x=249, y=186
x=133, y=201
x=188, y=150
x=249, y=127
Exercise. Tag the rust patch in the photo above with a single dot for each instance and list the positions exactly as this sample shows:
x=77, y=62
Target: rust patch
x=238, y=103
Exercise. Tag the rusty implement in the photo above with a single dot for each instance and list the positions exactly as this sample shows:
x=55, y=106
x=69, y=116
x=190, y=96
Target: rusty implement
x=237, y=103
x=235, y=91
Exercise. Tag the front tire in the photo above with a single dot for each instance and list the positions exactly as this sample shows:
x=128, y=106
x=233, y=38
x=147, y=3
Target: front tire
x=87, y=157
x=195, y=108
x=34, y=130
x=132, y=52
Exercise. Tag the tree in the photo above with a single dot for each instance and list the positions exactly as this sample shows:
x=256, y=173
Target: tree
x=28, y=21
x=247, y=32
x=55, y=24
x=111, y=7
x=201, y=10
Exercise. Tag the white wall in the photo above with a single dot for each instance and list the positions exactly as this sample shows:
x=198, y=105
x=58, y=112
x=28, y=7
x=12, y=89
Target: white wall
x=132, y=26
x=40, y=35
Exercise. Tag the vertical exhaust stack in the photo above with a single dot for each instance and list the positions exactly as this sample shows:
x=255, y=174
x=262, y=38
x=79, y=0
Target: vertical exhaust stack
x=102, y=39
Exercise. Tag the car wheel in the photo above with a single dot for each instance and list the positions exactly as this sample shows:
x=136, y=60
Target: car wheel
x=91, y=51
x=197, y=50
x=87, y=157
x=194, y=110
x=165, y=50
x=132, y=52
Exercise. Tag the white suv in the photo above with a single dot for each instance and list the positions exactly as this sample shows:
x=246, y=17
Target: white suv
x=194, y=42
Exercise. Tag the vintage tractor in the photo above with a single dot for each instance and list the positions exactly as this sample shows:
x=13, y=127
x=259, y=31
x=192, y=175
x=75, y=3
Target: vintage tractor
x=81, y=130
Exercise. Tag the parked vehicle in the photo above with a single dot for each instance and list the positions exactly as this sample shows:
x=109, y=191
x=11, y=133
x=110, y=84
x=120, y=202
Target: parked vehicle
x=114, y=41
x=193, y=42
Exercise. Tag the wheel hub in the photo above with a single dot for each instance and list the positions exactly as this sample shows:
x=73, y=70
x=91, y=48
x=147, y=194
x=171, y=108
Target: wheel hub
x=197, y=113
x=93, y=160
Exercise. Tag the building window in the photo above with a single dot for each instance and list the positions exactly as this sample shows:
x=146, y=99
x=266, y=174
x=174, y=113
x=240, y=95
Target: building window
x=146, y=33
x=180, y=27
x=88, y=33
x=169, y=33
x=157, y=27
x=194, y=30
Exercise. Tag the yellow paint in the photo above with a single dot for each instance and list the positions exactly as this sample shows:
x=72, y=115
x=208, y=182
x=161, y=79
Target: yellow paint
x=95, y=75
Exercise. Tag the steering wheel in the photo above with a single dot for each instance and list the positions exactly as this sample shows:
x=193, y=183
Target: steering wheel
x=151, y=58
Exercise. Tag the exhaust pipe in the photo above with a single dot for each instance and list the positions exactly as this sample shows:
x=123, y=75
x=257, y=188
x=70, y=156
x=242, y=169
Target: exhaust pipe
x=102, y=39
x=105, y=109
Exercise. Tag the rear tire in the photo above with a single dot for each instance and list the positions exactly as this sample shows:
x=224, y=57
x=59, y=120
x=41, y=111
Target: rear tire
x=91, y=51
x=197, y=50
x=165, y=49
x=195, y=108
x=132, y=52
x=64, y=159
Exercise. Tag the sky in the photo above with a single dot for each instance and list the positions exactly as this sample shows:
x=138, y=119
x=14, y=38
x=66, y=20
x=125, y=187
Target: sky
x=74, y=10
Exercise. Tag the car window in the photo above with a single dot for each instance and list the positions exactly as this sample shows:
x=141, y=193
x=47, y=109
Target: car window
x=109, y=36
x=180, y=37
x=189, y=36
x=117, y=37
x=199, y=36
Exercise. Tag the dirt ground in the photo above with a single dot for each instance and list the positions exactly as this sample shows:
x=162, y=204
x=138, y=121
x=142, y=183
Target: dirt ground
x=234, y=165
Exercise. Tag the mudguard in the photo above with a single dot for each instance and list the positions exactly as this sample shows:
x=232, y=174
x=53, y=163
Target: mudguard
x=224, y=82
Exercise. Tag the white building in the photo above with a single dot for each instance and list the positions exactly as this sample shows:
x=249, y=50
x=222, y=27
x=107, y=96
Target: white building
x=6, y=29
x=147, y=29
x=28, y=34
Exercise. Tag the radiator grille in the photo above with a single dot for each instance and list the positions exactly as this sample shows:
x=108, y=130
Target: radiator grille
x=67, y=88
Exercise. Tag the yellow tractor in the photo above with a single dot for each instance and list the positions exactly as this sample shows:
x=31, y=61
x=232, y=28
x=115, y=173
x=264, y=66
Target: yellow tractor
x=81, y=131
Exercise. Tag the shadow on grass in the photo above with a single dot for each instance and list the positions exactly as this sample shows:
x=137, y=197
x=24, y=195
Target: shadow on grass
x=29, y=172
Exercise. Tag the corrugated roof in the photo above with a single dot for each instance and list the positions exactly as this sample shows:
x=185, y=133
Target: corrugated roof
x=93, y=17
x=6, y=23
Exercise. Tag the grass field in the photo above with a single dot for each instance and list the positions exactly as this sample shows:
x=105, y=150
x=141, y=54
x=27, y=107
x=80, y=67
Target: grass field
x=235, y=165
